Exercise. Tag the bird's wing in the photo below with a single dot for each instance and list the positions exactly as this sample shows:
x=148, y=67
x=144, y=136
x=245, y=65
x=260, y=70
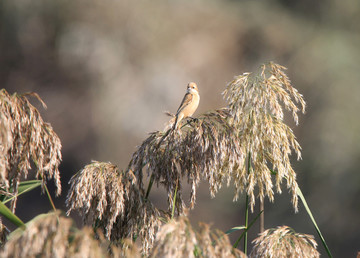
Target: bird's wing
x=186, y=100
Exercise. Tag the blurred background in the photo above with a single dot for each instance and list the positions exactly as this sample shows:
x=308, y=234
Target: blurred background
x=108, y=69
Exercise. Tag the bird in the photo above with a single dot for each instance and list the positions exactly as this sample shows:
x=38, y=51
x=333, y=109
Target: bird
x=188, y=105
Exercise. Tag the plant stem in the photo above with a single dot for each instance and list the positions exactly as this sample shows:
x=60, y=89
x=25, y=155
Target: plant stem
x=151, y=181
x=174, y=201
x=247, y=207
x=49, y=196
x=245, y=230
x=246, y=222
x=262, y=217
x=300, y=194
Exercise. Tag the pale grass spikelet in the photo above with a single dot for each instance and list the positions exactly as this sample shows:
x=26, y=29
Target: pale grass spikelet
x=177, y=238
x=26, y=138
x=108, y=199
x=284, y=242
x=204, y=148
x=6, y=141
x=256, y=103
x=51, y=235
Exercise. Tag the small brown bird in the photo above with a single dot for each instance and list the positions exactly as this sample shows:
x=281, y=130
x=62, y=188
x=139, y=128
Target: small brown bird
x=189, y=103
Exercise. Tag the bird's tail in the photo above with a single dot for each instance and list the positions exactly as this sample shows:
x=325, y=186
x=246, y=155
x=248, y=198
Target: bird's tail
x=176, y=122
x=171, y=122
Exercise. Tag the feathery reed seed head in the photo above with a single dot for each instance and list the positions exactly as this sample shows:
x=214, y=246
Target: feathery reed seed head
x=256, y=103
x=206, y=147
x=244, y=143
x=284, y=242
x=218, y=145
x=109, y=199
x=25, y=137
x=51, y=235
x=177, y=238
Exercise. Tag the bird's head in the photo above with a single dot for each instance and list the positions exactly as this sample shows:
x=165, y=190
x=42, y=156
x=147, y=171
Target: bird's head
x=192, y=87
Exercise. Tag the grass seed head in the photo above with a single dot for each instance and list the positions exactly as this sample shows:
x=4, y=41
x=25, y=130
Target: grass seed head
x=204, y=148
x=284, y=242
x=256, y=102
x=26, y=138
x=109, y=199
x=51, y=235
x=178, y=238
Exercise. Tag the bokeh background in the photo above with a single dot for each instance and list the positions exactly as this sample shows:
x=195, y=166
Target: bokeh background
x=108, y=69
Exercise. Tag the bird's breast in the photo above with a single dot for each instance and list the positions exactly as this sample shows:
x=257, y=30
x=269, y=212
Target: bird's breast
x=195, y=104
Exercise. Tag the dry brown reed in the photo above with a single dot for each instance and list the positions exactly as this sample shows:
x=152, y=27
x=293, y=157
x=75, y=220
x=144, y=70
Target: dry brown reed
x=109, y=199
x=26, y=138
x=284, y=242
x=205, y=147
x=49, y=235
x=256, y=103
x=244, y=144
x=218, y=145
x=177, y=238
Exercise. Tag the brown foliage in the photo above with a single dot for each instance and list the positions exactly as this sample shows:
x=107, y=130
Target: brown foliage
x=26, y=138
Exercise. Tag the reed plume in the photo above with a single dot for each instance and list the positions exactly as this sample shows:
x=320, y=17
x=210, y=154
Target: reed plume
x=178, y=238
x=284, y=242
x=245, y=143
x=217, y=145
x=25, y=139
x=206, y=147
x=51, y=235
x=108, y=198
x=256, y=103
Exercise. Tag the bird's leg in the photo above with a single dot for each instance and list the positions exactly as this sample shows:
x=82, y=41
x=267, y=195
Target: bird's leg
x=193, y=119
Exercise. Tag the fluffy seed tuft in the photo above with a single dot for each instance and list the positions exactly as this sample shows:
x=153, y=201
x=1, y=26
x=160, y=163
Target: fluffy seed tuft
x=284, y=242
x=26, y=138
x=177, y=238
x=108, y=199
x=256, y=103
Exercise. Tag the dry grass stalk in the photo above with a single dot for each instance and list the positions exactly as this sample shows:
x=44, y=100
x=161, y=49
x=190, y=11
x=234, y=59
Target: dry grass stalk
x=26, y=138
x=206, y=147
x=284, y=242
x=255, y=101
x=109, y=199
x=177, y=238
x=49, y=235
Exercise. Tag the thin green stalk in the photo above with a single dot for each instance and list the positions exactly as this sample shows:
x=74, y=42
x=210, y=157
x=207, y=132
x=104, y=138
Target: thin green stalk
x=247, y=207
x=174, y=201
x=246, y=230
x=246, y=223
x=300, y=194
x=49, y=196
x=302, y=198
x=262, y=216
